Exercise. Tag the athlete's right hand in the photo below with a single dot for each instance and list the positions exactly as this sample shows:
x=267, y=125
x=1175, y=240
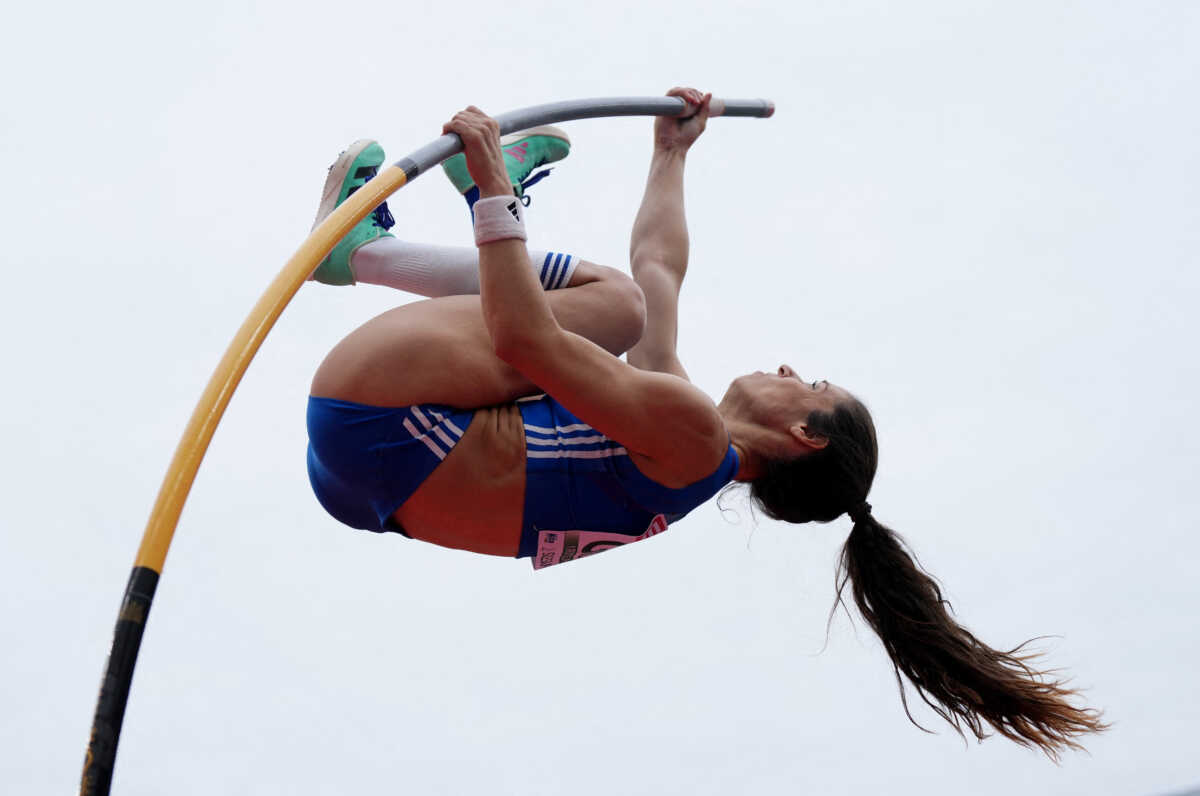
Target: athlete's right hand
x=678, y=133
x=480, y=135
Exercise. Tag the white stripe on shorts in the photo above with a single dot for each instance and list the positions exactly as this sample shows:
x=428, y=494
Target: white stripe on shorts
x=412, y=429
x=419, y=415
x=442, y=420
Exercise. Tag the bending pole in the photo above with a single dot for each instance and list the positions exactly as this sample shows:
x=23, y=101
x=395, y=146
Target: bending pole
x=139, y=593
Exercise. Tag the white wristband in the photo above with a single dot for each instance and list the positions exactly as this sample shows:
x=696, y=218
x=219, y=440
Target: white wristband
x=499, y=218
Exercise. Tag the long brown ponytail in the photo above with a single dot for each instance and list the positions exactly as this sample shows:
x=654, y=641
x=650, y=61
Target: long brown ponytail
x=964, y=680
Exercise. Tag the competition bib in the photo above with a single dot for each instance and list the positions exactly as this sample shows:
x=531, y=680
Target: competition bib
x=555, y=547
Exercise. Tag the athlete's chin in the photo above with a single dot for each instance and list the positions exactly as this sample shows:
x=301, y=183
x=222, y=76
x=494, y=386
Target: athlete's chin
x=744, y=385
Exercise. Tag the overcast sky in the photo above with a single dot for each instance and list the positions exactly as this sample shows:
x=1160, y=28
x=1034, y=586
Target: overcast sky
x=982, y=217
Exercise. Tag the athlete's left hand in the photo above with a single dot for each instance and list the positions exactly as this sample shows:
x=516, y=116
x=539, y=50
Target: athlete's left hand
x=678, y=133
x=480, y=135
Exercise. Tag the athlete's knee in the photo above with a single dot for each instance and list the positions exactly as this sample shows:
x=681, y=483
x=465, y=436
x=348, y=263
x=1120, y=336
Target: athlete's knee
x=628, y=302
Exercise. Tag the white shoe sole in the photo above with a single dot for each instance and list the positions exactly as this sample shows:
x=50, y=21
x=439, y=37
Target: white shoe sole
x=337, y=175
x=546, y=130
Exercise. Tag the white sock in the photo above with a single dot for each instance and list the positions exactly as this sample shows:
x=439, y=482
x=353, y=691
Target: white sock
x=444, y=270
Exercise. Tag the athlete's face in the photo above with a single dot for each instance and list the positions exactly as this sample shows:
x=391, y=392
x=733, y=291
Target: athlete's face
x=781, y=398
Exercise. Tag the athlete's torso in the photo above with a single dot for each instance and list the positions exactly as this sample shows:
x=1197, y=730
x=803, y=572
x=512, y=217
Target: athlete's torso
x=474, y=499
x=532, y=466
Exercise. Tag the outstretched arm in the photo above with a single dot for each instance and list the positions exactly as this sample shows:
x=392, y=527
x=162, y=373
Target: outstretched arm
x=658, y=249
x=659, y=416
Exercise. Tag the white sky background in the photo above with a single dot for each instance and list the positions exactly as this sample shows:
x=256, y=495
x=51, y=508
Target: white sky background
x=982, y=217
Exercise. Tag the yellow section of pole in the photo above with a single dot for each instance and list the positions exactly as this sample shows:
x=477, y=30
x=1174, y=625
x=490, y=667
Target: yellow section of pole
x=207, y=414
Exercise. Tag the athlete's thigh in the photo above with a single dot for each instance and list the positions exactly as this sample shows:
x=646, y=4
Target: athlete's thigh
x=439, y=350
x=432, y=351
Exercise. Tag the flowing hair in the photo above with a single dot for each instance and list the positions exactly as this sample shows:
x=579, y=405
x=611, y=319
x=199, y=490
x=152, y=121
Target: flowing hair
x=966, y=682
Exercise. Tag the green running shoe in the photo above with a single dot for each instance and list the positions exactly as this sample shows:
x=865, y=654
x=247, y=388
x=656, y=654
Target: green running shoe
x=524, y=151
x=351, y=171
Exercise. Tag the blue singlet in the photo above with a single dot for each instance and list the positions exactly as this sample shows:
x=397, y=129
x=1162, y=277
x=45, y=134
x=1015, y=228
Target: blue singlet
x=583, y=494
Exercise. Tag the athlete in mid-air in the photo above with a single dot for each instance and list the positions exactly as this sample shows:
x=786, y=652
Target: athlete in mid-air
x=498, y=417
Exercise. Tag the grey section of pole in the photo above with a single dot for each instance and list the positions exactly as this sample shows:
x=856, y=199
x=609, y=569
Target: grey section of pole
x=446, y=146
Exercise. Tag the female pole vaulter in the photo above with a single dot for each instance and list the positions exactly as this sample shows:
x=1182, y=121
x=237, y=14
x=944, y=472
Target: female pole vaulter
x=498, y=417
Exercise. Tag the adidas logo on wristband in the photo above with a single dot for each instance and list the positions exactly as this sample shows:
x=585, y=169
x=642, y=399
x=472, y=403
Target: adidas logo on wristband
x=498, y=218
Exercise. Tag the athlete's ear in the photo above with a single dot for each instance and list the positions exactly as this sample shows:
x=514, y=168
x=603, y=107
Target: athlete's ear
x=811, y=440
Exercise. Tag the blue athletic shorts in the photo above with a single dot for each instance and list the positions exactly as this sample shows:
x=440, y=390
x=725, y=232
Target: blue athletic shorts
x=365, y=461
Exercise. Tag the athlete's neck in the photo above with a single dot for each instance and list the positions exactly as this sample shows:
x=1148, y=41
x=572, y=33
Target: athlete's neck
x=743, y=436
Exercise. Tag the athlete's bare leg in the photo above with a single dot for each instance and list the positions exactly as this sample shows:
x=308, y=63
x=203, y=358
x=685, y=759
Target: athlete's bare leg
x=439, y=350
